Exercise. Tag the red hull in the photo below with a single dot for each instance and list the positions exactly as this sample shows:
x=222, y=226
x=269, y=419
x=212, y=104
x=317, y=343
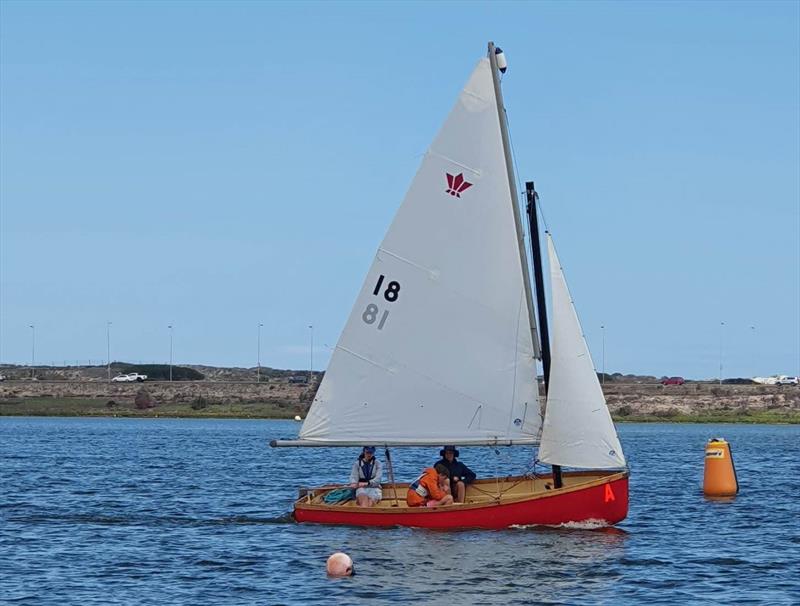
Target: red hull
x=603, y=502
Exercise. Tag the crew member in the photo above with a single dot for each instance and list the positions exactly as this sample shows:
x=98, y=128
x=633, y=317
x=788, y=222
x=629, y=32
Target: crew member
x=460, y=475
x=428, y=489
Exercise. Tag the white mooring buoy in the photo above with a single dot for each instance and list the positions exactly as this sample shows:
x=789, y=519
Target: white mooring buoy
x=340, y=565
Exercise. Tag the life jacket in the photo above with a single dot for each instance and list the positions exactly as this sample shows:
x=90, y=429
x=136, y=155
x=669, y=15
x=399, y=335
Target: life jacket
x=417, y=487
x=365, y=469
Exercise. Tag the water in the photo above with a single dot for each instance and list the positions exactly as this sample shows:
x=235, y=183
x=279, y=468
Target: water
x=167, y=511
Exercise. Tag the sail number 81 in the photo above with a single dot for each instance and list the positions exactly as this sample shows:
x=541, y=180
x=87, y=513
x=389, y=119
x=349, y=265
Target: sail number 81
x=391, y=293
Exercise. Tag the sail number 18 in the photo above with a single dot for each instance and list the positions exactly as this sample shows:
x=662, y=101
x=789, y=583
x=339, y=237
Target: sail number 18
x=392, y=291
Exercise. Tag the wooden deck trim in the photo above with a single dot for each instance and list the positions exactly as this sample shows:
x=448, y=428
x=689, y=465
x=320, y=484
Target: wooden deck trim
x=604, y=478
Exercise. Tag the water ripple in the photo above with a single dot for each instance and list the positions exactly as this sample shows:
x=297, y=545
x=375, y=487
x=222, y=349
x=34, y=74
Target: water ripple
x=198, y=512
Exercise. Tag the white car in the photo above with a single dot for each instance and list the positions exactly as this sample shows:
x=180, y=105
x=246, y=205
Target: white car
x=764, y=380
x=784, y=380
x=129, y=378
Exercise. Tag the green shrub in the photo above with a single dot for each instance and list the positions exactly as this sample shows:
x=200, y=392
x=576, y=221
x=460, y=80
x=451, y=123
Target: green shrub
x=199, y=403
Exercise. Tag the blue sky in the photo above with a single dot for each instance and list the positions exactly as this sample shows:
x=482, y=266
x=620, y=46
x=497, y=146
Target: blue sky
x=218, y=165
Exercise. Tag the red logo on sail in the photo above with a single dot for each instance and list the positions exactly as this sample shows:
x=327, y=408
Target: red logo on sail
x=456, y=185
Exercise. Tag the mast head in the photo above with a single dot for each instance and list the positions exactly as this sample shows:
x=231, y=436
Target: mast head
x=500, y=57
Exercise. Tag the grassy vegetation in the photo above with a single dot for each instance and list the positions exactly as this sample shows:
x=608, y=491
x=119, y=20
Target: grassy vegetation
x=101, y=407
x=204, y=408
x=784, y=417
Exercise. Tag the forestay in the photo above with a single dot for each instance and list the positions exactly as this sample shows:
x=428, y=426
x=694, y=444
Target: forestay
x=578, y=430
x=438, y=347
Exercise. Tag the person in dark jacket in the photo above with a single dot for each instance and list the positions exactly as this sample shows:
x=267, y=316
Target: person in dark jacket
x=460, y=475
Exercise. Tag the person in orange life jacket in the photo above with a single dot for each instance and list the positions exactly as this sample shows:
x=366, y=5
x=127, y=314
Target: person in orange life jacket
x=427, y=489
x=460, y=474
x=365, y=477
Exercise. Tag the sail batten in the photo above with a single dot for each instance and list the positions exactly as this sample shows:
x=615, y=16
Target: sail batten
x=437, y=328
x=577, y=430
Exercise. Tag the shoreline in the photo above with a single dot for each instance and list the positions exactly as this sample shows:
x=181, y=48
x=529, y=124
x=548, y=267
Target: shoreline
x=68, y=410
x=282, y=399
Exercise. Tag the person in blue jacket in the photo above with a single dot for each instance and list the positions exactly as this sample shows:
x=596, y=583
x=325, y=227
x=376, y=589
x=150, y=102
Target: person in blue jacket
x=460, y=475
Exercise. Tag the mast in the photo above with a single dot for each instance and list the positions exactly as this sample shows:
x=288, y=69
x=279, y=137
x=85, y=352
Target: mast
x=538, y=275
x=541, y=307
x=493, y=52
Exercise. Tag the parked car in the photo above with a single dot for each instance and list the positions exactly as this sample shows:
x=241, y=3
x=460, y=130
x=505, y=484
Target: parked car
x=765, y=380
x=129, y=378
x=776, y=380
x=673, y=381
x=298, y=379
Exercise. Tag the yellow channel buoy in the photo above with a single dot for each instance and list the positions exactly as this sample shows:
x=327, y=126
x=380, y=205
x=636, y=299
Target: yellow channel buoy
x=719, y=478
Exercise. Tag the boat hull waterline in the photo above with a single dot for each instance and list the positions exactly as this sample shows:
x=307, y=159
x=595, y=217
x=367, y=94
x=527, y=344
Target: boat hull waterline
x=601, y=500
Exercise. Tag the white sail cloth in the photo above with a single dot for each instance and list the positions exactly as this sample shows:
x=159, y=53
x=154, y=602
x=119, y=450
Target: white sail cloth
x=578, y=430
x=438, y=347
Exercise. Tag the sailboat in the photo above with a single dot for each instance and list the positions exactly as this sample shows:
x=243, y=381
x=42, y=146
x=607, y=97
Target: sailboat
x=442, y=346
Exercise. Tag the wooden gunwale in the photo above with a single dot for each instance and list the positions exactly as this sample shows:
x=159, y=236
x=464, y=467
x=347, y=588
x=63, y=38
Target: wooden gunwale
x=302, y=503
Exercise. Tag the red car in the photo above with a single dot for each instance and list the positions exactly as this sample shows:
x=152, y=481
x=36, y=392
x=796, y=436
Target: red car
x=673, y=381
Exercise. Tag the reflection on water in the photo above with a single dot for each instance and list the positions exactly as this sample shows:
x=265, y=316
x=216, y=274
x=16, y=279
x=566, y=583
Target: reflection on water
x=197, y=512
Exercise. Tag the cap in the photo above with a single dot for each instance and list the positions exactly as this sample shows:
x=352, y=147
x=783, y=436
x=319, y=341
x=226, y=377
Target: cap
x=369, y=449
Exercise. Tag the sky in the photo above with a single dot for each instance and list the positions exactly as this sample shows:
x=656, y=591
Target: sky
x=216, y=166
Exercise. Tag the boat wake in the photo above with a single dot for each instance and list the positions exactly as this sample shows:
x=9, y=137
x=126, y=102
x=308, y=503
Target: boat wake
x=583, y=525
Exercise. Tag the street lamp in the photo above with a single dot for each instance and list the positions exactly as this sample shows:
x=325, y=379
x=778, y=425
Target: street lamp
x=170, y=352
x=603, y=328
x=721, y=327
x=108, y=349
x=258, y=371
x=311, y=364
x=33, y=350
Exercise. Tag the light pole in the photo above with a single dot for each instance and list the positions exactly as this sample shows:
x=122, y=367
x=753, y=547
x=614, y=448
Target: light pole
x=311, y=364
x=33, y=351
x=603, y=328
x=721, y=327
x=753, y=341
x=108, y=349
x=258, y=371
x=170, y=352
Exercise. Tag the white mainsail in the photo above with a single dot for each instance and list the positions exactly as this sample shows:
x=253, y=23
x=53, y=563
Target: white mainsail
x=578, y=430
x=438, y=347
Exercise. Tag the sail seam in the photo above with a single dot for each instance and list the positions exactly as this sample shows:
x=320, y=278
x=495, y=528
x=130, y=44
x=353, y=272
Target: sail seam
x=430, y=272
x=474, y=171
x=475, y=95
x=360, y=357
